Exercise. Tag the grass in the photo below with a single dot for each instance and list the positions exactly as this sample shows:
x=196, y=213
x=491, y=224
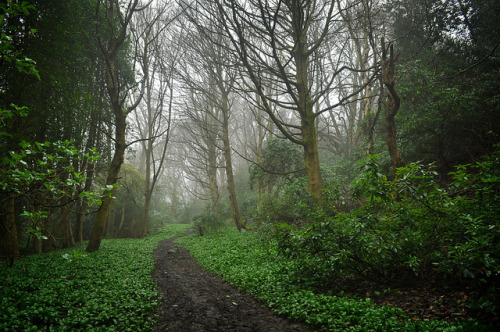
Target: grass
x=71, y=290
x=244, y=261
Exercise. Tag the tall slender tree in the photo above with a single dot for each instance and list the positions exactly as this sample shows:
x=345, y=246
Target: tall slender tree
x=110, y=44
x=153, y=117
x=392, y=104
x=209, y=46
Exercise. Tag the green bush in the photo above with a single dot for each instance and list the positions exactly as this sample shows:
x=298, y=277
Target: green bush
x=409, y=227
x=475, y=253
x=289, y=203
x=282, y=161
x=208, y=222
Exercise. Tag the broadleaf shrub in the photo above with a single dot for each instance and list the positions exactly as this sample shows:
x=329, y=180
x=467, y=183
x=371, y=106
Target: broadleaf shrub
x=208, y=222
x=289, y=203
x=409, y=227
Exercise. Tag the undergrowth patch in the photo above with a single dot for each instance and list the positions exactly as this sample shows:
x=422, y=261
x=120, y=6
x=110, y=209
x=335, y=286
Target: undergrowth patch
x=246, y=262
x=70, y=290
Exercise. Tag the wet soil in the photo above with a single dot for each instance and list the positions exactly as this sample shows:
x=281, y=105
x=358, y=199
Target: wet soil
x=196, y=300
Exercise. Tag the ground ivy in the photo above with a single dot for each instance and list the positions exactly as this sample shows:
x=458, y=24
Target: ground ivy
x=69, y=290
x=246, y=262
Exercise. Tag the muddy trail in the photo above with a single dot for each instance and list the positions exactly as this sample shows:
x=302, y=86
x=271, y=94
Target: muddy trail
x=196, y=300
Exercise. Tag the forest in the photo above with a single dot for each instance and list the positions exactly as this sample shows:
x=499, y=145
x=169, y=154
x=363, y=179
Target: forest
x=339, y=160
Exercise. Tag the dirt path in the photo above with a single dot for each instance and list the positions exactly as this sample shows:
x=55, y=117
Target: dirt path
x=196, y=300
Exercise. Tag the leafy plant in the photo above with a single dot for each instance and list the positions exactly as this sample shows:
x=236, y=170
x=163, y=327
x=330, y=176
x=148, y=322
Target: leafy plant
x=392, y=234
x=208, y=222
x=282, y=162
x=246, y=262
x=112, y=289
x=8, y=52
x=38, y=171
x=476, y=230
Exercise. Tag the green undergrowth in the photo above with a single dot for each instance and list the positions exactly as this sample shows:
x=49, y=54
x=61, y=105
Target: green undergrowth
x=246, y=262
x=71, y=290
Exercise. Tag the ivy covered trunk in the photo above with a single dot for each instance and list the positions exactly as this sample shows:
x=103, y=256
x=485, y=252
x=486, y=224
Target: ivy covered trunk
x=315, y=181
x=391, y=106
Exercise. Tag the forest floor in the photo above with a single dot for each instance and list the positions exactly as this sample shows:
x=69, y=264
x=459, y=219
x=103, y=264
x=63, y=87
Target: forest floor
x=196, y=300
x=429, y=300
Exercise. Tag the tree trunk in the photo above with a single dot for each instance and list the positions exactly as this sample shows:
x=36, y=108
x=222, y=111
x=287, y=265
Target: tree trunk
x=392, y=104
x=9, y=244
x=110, y=51
x=143, y=224
x=210, y=138
x=147, y=146
x=259, y=146
x=212, y=177
x=37, y=245
x=110, y=229
x=229, y=166
x=69, y=233
x=78, y=235
x=122, y=219
x=370, y=122
x=308, y=126
x=114, y=170
x=89, y=171
x=315, y=181
x=64, y=227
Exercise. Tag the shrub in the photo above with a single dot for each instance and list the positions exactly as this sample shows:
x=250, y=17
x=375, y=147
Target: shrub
x=208, y=222
x=475, y=251
x=289, y=203
x=409, y=227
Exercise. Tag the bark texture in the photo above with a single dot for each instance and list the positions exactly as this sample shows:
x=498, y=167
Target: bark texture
x=392, y=105
x=9, y=244
x=229, y=166
x=305, y=106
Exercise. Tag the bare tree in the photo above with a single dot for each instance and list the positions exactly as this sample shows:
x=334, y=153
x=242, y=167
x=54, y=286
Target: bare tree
x=276, y=43
x=110, y=43
x=203, y=127
x=153, y=117
x=215, y=78
x=351, y=125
